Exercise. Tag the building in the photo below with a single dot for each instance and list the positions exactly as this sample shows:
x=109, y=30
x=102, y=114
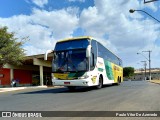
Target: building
x=140, y=74
x=34, y=71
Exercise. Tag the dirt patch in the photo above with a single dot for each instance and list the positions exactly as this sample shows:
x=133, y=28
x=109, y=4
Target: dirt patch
x=155, y=81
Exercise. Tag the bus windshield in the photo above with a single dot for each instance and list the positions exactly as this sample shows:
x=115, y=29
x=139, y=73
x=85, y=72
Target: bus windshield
x=70, y=61
x=72, y=44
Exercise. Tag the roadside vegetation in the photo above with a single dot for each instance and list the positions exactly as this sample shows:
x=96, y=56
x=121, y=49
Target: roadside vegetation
x=128, y=72
x=11, y=50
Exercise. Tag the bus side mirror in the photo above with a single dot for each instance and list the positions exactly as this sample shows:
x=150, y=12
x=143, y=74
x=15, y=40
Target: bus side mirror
x=88, y=51
x=46, y=54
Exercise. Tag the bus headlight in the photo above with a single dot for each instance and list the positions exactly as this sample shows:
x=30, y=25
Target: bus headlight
x=83, y=77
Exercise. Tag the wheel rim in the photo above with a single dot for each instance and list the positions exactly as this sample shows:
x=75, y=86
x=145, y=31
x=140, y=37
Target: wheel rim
x=100, y=83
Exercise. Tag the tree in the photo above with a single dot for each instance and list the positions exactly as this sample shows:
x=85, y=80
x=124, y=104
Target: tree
x=128, y=72
x=11, y=50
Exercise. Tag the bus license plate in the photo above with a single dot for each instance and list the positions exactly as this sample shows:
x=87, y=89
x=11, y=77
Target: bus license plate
x=67, y=83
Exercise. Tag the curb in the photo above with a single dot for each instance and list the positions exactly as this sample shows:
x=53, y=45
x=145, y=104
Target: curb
x=10, y=89
x=22, y=88
x=19, y=88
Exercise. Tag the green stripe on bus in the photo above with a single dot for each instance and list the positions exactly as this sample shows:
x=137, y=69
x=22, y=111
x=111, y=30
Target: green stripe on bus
x=100, y=69
x=75, y=75
x=109, y=70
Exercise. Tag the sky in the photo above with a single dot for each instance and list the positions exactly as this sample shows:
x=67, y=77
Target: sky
x=108, y=21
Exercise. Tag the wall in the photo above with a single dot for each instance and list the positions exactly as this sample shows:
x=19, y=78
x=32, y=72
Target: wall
x=5, y=76
x=141, y=76
x=23, y=76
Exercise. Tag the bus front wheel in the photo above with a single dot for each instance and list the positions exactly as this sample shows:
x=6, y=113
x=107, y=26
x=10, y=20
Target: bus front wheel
x=100, y=84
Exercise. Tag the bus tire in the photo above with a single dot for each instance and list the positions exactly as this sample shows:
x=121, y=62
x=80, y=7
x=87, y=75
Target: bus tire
x=71, y=88
x=118, y=81
x=100, y=83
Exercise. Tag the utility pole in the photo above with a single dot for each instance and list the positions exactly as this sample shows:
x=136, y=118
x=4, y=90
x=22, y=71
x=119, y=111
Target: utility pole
x=145, y=64
x=149, y=51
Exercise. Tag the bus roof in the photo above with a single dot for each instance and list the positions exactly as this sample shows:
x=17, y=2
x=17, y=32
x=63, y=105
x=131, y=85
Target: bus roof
x=84, y=37
x=75, y=38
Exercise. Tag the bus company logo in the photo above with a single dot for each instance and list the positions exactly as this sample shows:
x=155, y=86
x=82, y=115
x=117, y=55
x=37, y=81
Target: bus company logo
x=6, y=114
x=116, y=68
x=100, y=63
x=94, y=79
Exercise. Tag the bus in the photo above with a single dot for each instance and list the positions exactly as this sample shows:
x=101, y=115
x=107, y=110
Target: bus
x=83, y=61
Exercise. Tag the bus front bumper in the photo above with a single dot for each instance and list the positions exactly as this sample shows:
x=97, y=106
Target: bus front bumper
x=77, y=82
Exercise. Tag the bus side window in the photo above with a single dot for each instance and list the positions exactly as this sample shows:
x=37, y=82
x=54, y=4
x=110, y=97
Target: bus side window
x=93, y=54
x=92, y=60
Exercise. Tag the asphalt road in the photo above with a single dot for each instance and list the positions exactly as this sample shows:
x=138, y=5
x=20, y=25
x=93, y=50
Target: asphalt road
x=129, y=96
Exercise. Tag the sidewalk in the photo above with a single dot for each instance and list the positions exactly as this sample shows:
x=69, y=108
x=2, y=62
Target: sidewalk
x=19, y=88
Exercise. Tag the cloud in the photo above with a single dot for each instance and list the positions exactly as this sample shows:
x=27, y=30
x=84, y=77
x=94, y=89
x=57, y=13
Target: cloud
x=151, y=6
x=126, y=33
x=77, y=1
x=61, y=22
x=107, y=21
x=40, y=3
x=44, y=28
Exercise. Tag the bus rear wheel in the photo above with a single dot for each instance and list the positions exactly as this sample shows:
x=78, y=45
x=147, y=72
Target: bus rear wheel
x=118, y=81
x=71, y=88
x=100, y=84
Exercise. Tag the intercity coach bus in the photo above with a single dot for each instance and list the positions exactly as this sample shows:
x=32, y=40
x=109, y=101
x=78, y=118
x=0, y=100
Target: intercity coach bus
x=83, y=61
